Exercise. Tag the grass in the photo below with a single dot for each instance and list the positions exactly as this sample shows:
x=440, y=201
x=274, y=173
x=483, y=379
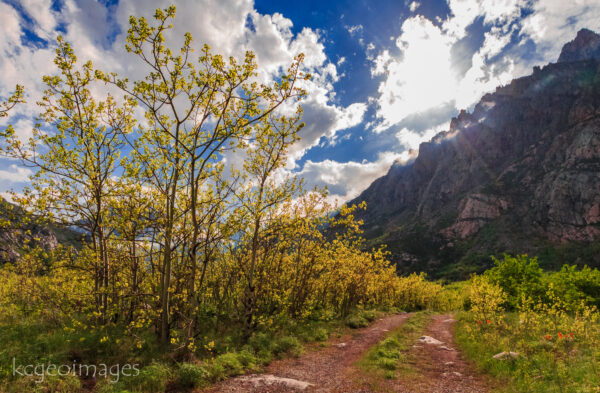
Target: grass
x=547, y=363
x=360, y=318
x=390, y=356
x=34, y=341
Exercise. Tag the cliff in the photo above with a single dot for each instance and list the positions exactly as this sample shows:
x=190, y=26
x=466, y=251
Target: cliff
x=520, y=173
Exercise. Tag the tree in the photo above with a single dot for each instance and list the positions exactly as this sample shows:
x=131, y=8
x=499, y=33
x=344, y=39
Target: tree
x=259, y=200
x=12, y=101
x=77, y=164
x=194, y=111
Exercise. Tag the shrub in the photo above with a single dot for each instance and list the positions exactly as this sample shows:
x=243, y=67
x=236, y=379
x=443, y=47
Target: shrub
x=287, y=345
x=320, y=334
x=356, y=321
x=486, y=299
x=152, y=379
x=414, y=292
x=573, y=286
x=231, y=364
x=247, y=360
x=190, y=375
x=516, y=276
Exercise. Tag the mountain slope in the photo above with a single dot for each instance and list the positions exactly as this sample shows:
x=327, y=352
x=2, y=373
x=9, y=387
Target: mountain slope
x=521, y=173
x=17, y=232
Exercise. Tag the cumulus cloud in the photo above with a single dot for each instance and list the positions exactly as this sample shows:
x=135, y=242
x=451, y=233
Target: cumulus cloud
x=230, y=27
x=424, y=76
x=346, y=180
x=553, y=21
x=14, y=174
x=421, y=79
x=411, y=139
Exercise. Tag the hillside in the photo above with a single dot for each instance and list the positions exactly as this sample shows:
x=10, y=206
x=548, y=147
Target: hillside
x=17, y=232
x=521, y=173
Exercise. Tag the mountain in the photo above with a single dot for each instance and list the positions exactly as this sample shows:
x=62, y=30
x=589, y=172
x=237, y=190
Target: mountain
x=17, y=232
x=520, y=174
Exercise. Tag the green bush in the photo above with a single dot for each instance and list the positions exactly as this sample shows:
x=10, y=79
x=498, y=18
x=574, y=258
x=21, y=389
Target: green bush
x=517, y=276
x=356, y=321
x=226, y=365
x=369, y=315
x=320, y=334
x=247, y=359
x=190, y=375
x=152, y=379
x=521, y=276
x=573, y=286
x=287, y=345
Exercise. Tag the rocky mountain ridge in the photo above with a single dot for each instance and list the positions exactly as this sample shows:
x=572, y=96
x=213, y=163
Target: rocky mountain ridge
x=520, y=173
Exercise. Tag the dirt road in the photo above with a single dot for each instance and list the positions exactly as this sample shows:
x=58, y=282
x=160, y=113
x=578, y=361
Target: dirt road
x=438, y=366
x=330, y=369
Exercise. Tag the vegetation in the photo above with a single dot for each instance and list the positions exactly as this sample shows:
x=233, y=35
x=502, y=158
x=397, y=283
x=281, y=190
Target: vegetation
x=549, y=320
x=200, y=259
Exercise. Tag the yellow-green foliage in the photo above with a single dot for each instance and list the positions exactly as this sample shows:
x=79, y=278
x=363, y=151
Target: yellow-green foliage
x=414, y=292
x=486, y=299
x=557, y=341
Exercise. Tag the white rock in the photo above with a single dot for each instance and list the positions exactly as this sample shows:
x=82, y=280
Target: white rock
x=268, y=379
x=455, y=373
x=446, y=348
x=506, y=355
x=341, y=345
x=430, y=340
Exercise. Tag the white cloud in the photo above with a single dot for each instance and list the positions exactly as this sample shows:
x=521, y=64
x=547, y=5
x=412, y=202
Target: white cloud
x=230, y=27
x=354, y=29
x=423, y=78
x=14, y=174
x=413, y=6
x=348, y=179
x=411, y=139
x=553, y=22
x=324, y=121
x=44, y=19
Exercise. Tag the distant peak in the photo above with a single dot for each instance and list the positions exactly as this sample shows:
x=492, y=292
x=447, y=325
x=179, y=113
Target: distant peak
x=585, y=46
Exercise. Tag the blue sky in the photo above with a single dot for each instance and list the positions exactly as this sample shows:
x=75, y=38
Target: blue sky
x=388, y=74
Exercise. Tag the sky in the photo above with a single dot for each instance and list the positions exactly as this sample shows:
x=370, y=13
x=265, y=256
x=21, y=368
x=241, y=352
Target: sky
x=387, y=74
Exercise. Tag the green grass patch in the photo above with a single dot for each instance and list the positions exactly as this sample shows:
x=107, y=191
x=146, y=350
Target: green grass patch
x=390, y=355
x=220, y=354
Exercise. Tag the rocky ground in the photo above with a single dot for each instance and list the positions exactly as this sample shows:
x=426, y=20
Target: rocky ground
x=438, y=366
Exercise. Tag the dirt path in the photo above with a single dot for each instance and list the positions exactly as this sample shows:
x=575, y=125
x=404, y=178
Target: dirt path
x=329, y=370
x=436, y=364
x=439, y=367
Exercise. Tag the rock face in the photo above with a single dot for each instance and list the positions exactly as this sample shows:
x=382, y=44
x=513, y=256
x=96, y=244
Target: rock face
x=584, y=47
x=17, y=233
x=521, y=173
